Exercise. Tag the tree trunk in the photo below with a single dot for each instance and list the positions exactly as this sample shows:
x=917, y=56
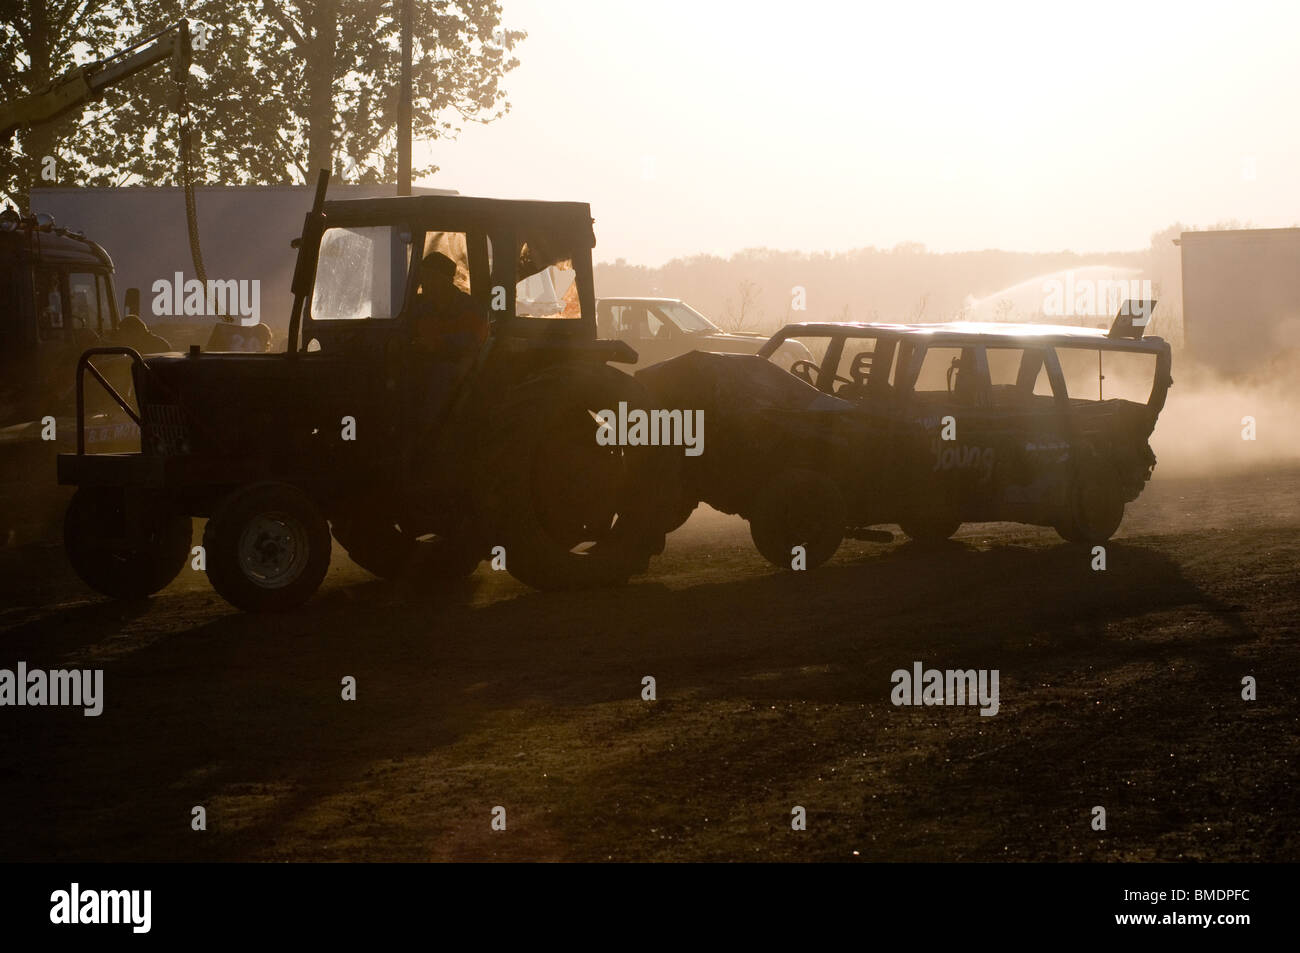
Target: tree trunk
x=38, y=139
x=320, y=22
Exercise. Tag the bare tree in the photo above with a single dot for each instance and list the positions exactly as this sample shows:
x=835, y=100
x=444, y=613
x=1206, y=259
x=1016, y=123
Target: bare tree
x=919, y=311
x=739, y=318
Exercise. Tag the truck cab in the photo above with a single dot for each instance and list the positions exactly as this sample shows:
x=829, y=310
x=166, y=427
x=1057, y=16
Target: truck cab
x=56, y=299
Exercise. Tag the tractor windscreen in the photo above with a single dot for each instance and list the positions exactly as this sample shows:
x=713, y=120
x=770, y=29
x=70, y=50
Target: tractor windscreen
x=360, y=274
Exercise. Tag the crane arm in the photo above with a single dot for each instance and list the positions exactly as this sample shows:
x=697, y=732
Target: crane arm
x=88, y=82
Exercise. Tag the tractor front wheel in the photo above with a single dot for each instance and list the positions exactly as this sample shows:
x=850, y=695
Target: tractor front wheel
x=268, y=548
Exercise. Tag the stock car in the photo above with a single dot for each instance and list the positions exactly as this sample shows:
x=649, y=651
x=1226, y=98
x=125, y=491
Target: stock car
x=660, y=329
x=923, y=426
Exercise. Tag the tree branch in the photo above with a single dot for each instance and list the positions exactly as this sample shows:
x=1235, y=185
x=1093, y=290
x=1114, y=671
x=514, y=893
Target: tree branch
x=271, y=9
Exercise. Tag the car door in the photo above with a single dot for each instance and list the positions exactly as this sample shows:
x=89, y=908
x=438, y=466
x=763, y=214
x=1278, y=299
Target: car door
x=1021, y=425
x=943, y=443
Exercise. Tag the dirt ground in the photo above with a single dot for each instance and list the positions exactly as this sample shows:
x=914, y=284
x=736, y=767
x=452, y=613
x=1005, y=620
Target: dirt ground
x=1119, y=688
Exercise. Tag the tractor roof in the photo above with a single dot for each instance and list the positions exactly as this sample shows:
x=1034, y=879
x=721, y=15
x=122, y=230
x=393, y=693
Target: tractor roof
x=463, y=213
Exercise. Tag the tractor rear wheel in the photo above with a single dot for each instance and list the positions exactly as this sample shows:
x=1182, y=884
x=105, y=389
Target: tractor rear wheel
x=570, y=512
x=268, y=548
x=123, y=552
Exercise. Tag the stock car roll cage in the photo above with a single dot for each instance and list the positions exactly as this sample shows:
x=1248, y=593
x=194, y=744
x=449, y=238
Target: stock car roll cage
x=909, y=343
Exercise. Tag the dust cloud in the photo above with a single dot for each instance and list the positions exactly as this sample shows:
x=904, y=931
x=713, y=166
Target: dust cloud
x=1204, y=427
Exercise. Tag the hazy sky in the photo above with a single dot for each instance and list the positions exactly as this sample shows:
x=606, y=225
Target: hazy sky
x=710, y=126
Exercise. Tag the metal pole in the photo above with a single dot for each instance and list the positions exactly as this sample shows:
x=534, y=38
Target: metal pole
x=404, y=103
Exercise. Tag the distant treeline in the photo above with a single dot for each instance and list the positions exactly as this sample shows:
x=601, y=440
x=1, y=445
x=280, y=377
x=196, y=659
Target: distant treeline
x=756, y=289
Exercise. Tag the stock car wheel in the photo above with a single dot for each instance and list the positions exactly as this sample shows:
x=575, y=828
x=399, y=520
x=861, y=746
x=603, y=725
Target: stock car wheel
x=930, y=529
x=268, y=548
x=1096, y=505
x=798, y=508
x=124, y=555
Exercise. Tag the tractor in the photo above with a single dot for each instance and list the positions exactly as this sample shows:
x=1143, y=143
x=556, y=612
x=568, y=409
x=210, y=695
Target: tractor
x=342, y=433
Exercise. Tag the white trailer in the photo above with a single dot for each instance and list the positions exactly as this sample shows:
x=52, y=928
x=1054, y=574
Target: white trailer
x=1241, y=296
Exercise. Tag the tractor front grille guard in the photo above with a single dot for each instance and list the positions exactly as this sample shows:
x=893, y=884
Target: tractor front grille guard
x=151, y=414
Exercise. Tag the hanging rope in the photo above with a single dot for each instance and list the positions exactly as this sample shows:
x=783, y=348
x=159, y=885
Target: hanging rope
x=187, y=182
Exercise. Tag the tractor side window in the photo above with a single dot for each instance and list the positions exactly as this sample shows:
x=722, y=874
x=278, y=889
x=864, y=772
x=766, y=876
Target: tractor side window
x=455, y=245
x=49, y=304
x=360, y=274
x=546, y=284
x=550, y=293
x=84, y=298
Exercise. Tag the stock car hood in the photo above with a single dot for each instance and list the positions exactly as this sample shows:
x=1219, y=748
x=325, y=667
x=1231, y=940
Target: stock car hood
x=737, y=342
x=738, y=335
x=729, y=384
x=755, y=416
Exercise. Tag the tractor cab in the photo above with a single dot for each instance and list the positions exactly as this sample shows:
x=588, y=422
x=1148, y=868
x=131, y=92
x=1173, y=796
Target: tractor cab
x=350, y=431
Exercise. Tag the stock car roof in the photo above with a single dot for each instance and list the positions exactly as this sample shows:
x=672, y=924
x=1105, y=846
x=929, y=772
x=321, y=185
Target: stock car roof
x=965, y=331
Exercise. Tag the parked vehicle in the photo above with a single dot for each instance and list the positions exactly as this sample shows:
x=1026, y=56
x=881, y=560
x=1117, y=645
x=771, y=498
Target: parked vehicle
x=663, y=328
x=925, y=426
